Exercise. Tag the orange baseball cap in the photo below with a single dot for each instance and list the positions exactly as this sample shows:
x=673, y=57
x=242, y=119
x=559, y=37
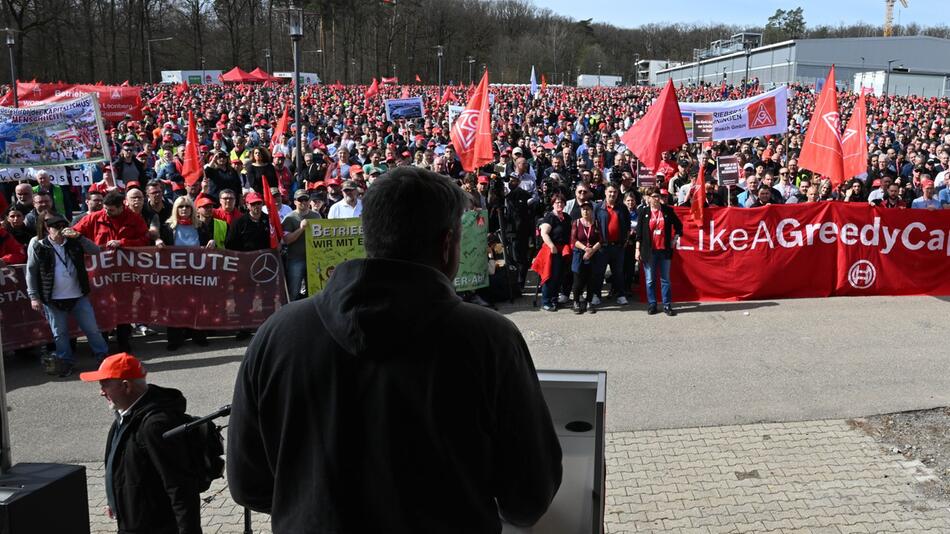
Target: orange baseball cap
x=121, y=366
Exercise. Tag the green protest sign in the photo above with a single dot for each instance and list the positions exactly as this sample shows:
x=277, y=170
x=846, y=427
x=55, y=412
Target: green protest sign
x=330, y=242
x=473, y=264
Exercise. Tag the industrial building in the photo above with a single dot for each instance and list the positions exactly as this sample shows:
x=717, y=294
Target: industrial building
x=647, y=69
x=808, y=60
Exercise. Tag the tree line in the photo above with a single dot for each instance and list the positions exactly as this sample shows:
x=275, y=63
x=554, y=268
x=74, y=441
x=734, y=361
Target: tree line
x=354, y=41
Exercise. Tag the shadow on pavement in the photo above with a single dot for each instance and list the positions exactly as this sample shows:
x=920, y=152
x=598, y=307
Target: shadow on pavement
x=699, y=307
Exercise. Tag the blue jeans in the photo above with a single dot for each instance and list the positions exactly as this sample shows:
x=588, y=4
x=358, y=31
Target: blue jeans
x=296, y=272
x=661, y=263
x=86, y=318
x=550, y=288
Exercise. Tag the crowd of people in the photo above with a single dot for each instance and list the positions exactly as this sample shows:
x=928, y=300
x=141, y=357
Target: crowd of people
x=557, y=154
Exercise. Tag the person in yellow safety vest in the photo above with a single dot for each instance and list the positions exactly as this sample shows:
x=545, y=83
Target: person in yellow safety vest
x=220, y=228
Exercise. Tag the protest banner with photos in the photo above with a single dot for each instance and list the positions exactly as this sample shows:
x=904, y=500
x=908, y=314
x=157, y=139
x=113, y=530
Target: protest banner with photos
x=52, y=135
x=404, y=108
x=454, y=112
x=812, y=250
x=172, y=286
x=765, y=114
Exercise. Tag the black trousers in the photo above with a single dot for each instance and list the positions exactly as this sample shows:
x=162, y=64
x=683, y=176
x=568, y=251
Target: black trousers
x=584, y=280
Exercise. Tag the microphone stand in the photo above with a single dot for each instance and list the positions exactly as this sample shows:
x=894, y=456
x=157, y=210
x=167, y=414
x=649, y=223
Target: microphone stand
x=223, y=411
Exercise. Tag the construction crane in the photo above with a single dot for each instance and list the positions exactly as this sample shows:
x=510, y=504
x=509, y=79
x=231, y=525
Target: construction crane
x=889, y=16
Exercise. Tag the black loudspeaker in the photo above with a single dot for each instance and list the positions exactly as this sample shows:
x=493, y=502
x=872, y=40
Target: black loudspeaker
x=44, y=498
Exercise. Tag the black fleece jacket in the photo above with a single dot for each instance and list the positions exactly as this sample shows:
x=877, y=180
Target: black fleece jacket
x=386, y=404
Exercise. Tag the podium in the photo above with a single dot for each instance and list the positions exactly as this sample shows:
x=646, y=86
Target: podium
x=576, y=400
x=40, y=498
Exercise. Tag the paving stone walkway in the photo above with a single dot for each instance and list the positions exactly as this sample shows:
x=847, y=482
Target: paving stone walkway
x=808, y=477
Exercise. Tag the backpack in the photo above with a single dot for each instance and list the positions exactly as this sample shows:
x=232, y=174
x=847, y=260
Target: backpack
x=206, y=445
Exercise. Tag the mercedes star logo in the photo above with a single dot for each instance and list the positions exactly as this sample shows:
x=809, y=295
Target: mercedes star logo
x=264, y=268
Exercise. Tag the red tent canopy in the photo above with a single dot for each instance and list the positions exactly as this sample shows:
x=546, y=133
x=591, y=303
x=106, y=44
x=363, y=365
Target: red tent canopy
x=262, y=75
x=236, y=75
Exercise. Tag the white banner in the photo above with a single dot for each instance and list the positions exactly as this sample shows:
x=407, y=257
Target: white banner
x=58, y=175
x=765, y=114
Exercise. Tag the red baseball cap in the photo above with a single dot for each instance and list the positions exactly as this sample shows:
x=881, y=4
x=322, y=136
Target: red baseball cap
x=203, y=201
x=252, y=198
x=121, y=366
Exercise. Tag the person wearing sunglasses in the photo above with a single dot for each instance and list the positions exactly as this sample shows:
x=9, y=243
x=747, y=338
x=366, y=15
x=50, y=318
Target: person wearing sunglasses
x=658, y=230
x=58, y=286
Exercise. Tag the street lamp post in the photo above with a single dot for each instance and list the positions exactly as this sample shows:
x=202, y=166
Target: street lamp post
x=439, y=52
x=471, y=61
x=267, y=63
x=202, y=70
x=748, y=56
x=11, y=42
x=317, y=51
x=887, y=76
x=598, y=74
x=295, y=28
x=636, y=69
x=148, y=45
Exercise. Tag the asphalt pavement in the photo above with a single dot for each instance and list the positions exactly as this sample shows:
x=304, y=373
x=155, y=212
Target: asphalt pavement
x=714, y=364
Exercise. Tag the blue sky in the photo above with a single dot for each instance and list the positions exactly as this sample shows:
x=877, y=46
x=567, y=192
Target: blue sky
x=631, y=13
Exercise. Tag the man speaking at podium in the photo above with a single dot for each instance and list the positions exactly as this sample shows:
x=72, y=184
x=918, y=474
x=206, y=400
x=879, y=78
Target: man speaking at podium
x=385, y=404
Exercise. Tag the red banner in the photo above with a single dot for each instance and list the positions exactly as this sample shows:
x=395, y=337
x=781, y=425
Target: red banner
x=115, y=101
x=812, y=250
x=174, y=286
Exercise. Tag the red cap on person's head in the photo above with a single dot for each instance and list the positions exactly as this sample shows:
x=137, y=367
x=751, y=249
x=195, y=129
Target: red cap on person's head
x=334, y=181
x=252, y=198
x=203, y=201
x=121, y=366
x=482, y=179
x=927, y=182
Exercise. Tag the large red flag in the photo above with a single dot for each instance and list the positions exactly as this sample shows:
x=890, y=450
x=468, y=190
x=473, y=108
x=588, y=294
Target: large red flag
x=661, y=129
x=471, y=131
x=418, y=79
x=854, y=146
x=191, y=168
x=371, y=92
x=181, y=89
x=697, y=204
x=273, y=214
x=821, y=151
x=280, y=129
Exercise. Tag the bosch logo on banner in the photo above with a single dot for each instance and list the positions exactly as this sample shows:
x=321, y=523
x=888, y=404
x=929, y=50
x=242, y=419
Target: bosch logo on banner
x=762, y=113
x=862, y=274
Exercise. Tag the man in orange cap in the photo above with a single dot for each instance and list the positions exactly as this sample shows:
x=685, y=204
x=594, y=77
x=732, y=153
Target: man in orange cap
x=150, y=481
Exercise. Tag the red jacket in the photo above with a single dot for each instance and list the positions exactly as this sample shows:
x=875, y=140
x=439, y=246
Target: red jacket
x=11, y=251
x=128, y=228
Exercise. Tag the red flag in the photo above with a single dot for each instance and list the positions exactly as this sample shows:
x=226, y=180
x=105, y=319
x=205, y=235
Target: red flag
x=697, y=205
x=821, y=151
x=181, y=88
x=157, y=99
x=854, y=146
x=448, y=96
x=371, y=92
x=471, y=131
x=389, y=81
x=544, y=82
x=191, y=168
x=661, y=129
x=418, y=79
x=276, y=230
x=280, y=129
x=542, y=264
